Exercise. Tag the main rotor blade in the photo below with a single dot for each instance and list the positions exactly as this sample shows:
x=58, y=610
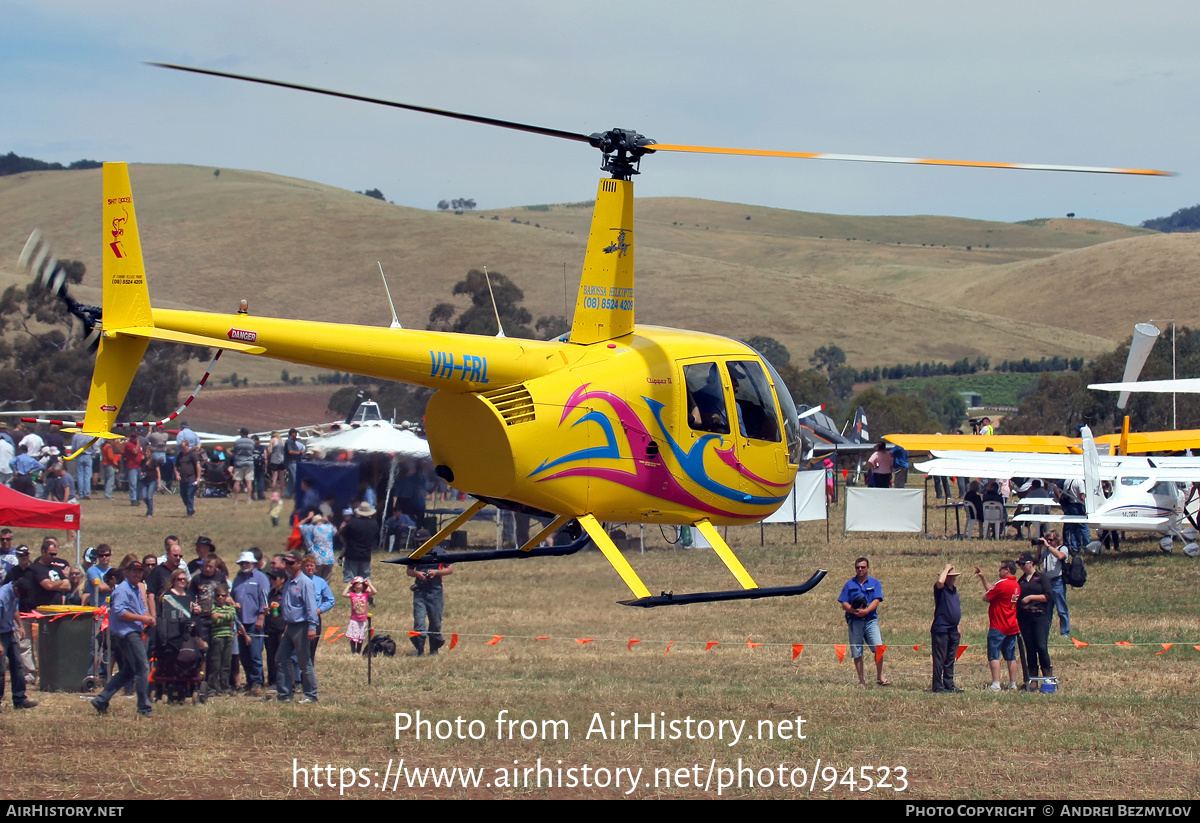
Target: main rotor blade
x=473, y=118
x=870, y=158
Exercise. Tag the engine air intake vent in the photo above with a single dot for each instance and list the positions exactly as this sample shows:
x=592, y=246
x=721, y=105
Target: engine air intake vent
x=514, y=403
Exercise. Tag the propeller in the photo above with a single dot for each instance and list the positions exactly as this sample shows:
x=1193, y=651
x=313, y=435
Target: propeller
x=623, y=148
x=50, y=275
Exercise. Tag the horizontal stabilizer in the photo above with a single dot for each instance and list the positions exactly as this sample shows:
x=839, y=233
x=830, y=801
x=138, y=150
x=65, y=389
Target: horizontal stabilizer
x=152, y=333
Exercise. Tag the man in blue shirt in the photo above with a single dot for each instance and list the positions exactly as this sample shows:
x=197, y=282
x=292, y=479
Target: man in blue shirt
x=127, y=619
x=944, y=635
x=250, y=589
x=11, y=632
x=186, y=435
x=323, y=594
x=860, y=599
x=299, y=612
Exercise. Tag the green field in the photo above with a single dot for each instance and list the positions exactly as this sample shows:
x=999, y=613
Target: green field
x=997, y=389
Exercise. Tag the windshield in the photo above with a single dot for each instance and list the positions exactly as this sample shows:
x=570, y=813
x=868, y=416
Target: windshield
x=791, y=428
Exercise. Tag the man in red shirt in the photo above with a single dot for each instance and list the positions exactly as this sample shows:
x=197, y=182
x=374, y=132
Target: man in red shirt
x=133, y=464
x=1002, y=622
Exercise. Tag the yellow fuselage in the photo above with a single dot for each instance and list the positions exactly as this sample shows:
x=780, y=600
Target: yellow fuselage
x=560, y=427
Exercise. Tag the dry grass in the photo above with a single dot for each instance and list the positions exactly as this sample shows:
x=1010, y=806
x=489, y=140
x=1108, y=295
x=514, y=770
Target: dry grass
x=1124, y=724
x=300, y=249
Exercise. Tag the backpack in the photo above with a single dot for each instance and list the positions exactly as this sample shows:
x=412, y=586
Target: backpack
x=1074, y=572
x=383, y=644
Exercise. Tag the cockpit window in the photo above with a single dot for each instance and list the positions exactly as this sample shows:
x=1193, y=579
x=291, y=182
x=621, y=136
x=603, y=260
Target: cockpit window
x=755, y=405
x=787, y=406
x=706, y=398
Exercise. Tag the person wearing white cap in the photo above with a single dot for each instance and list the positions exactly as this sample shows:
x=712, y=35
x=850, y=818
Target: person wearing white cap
x=250, y=591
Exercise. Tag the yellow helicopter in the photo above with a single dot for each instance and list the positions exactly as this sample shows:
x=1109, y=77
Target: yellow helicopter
x=612, y=422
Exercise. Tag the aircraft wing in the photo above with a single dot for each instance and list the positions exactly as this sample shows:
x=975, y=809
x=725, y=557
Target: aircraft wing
x=974, y=442
x=1004, y=464
x=1190, y=385
x=1161, y=441
x=1152, y=524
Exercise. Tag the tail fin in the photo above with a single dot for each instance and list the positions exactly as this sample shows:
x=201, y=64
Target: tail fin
x=604, y=308
x=1091, y=473
x=125, y=303
x=859, y=433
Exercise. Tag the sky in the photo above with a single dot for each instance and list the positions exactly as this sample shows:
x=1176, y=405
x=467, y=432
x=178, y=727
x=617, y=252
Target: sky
x=1094, y=82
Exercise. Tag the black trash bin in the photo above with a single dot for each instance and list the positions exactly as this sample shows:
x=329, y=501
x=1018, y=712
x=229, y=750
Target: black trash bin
x=64, y=648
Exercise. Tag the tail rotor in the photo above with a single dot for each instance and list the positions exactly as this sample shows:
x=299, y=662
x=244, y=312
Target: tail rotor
x=50, y=275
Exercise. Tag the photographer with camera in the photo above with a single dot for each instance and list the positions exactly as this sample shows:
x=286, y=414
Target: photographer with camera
x=1051, y=557
x=860, y=599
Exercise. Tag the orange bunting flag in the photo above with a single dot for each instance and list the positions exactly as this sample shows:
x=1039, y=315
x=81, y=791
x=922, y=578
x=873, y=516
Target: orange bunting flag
x=1123, y=643
x=581, y=640
x=796, y=649
x=841, y=651
x=629, y=645
x=710, y=644
x=669, y=645
x=412, y=633
x=453, y=640
x=879, y=650
x=1079, y=644
x=335, y=639
x=331, y=631
x=917, y=647
x=496, y=638
x=1166, y=648
x=961, y=649
x=545, y=637
x=1197, y=648
x=845, y=473
x=750, y=645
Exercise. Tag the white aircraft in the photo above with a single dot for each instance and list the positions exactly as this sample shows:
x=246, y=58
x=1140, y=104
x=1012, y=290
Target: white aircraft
x=1148, y=493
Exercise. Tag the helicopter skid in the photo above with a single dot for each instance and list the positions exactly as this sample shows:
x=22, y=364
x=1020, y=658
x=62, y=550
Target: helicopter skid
x=672, y=599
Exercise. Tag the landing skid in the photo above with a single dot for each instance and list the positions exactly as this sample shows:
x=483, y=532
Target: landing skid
x=501, y=554
x=672, y=599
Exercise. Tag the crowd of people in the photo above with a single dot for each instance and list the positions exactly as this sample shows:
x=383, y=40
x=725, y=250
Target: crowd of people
x=255, y=626
x=1021, y=604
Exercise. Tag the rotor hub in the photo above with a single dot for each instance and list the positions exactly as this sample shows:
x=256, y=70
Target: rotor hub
x=622, y=149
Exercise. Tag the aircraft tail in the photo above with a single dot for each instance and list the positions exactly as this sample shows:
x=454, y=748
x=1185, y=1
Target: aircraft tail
x=604, y=307
x=125, y=304
x=1091, y=473
x=858, y=430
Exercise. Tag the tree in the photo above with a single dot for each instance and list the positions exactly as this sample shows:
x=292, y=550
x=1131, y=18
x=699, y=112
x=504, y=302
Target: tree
x=376, y=193
x=894, y=413
x=771, y=349
x=408, y=401
x=479, y=317
x=43, y=365
x=807, y=386
x=827, y=358
x=548, y=328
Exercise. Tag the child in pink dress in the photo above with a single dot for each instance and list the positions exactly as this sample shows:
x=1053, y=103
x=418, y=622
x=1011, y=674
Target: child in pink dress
x=359, y=590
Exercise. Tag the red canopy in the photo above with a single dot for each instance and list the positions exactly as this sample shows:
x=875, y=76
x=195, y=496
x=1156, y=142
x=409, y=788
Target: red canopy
x=25, y=512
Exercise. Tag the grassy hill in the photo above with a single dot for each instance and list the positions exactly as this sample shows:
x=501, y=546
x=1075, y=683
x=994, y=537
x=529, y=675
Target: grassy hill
x=886, y=289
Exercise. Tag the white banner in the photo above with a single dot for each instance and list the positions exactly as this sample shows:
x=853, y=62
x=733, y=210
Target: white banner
x=806, y=500
x=884, y=510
